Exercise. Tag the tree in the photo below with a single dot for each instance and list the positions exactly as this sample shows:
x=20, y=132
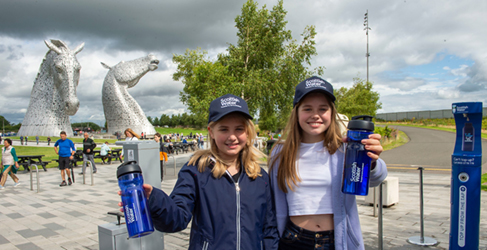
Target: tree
x=155, y=122
x=93, y=126
x=263, y=67
x=357, y=100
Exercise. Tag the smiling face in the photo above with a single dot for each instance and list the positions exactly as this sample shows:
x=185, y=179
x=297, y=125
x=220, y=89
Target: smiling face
x=314, y=117
x=230, y=136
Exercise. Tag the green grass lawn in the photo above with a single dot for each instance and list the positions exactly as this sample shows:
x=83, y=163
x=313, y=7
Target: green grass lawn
x=483, y=182
x=32, y=139
x=483, y=135
x=48, y=152
x=402, y=139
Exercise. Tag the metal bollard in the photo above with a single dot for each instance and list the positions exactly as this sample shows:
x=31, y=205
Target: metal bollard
x=375, y=202
x=84, y=174
x=421, y=240
x=174, y=165
x=37, y=178
x=380, y=229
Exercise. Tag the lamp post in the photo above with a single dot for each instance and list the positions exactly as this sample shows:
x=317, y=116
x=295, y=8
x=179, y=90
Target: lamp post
x=366, y=24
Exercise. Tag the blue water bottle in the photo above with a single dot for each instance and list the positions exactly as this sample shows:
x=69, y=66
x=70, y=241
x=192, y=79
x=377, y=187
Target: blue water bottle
x=137, y=215
x=356, y=169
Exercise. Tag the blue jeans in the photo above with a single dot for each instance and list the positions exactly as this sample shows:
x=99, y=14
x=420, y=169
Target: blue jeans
x=297, y=238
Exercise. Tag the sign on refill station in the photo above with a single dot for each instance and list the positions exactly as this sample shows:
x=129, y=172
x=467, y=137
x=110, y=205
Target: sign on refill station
x=466, y=175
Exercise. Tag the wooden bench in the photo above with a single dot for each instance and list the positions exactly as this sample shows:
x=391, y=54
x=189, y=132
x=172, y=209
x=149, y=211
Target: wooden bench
x=26, y=165
x=112, y=155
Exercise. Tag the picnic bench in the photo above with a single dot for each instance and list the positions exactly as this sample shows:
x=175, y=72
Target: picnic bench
x=27, y=160
x=114, y=154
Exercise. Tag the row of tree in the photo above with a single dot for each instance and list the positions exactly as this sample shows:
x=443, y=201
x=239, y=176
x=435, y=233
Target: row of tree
x=85, y=125
x=183, y=119
x=7, y=126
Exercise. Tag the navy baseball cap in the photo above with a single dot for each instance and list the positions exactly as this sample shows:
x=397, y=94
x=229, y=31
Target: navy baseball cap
x=311, y=84
x=227, y=104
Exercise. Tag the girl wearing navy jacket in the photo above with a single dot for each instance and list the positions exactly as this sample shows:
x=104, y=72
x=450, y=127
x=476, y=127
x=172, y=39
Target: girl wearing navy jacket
x=306, y=174
x=222, y=189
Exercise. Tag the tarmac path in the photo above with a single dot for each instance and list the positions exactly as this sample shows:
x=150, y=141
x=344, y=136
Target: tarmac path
x=429, y=148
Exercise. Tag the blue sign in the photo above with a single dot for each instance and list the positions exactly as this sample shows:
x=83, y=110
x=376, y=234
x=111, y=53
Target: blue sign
x=466, y=175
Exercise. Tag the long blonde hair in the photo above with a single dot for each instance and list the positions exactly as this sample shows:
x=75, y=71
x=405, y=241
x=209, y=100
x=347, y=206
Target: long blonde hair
x=249, y=155
x=287, y=175
x=131, y=132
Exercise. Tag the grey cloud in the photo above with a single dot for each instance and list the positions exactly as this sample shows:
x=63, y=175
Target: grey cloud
x=476, y=79
x=14, y=56
x=125, y=25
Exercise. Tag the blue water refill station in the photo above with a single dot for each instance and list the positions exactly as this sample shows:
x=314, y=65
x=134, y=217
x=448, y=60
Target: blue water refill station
x=466, y=175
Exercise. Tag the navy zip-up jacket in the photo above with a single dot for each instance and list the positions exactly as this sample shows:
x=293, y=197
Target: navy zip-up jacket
x=226, y=214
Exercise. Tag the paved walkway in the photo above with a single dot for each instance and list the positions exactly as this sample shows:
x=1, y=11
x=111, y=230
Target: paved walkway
x=68, y=217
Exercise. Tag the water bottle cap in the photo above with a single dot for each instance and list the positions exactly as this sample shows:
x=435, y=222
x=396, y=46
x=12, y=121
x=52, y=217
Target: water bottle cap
x=127, y=168
x=361, y=122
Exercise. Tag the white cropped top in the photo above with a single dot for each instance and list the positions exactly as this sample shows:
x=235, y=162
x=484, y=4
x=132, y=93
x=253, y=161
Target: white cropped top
x=313, y=194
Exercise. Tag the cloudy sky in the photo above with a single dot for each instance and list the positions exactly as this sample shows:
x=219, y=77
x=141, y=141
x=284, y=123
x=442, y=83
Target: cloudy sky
x=424, y=54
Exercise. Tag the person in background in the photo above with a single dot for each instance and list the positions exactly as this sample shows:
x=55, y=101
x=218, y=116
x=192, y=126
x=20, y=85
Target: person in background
x=48, y=141
x=26, y=139
x=37, y=139
x=162, y=152
x=306, y=174
x=88, y=146
x=202, y=141
x=105, y=153
x=9, y=163
x=130, y=135
x=64, y=147
x=21, y=140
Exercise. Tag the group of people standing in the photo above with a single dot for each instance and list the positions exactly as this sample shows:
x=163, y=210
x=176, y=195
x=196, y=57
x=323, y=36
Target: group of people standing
x=235, y=204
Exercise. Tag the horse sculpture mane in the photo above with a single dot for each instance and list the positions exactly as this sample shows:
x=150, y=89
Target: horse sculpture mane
x=53, y=98
x=121, y=110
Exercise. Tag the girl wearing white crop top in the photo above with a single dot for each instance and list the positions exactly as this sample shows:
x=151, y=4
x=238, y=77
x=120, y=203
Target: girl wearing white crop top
x=306, y=173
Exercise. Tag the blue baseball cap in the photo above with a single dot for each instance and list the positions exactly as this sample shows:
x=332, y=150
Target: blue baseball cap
x=227, y=104
x=311, y=84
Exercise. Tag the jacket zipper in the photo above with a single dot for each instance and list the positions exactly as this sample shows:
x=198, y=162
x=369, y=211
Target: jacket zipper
x=237, y=187
x=237, y=190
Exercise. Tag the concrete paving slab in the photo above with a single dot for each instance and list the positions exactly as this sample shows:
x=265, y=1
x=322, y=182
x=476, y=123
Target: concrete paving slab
x=68, y=217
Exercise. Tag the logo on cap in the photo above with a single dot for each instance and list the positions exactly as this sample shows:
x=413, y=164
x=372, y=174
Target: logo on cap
x=230, y=102
x=315, y=83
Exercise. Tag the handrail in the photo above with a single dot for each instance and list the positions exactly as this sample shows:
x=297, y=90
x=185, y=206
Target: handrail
x=37, y=178
x=84, y=176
